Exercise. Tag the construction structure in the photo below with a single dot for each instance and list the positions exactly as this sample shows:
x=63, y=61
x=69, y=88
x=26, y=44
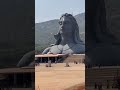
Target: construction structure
x=17, y=78
x=44, y=58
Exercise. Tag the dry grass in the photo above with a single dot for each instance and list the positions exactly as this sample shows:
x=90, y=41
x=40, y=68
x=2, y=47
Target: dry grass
x=59, y=77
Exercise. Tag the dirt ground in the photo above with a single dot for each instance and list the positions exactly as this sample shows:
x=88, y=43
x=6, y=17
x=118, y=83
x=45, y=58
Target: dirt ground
x=59, y=77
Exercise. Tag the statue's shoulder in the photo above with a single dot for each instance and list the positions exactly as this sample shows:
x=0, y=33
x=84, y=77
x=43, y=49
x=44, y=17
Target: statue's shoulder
x=80, y=44
x=80, y=47
x=47, y=49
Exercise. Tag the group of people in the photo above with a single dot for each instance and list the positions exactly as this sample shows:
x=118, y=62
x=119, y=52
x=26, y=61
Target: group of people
x=75, y=62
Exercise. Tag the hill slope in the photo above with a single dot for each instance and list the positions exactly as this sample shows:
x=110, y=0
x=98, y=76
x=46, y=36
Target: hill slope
x=44, y=32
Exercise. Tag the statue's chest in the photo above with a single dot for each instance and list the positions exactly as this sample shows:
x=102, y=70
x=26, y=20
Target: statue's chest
x=59, y=49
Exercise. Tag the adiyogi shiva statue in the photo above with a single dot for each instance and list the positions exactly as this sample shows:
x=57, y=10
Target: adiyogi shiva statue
x=67, y=39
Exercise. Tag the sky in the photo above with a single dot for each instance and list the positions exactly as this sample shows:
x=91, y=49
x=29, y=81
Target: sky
x=46, y=10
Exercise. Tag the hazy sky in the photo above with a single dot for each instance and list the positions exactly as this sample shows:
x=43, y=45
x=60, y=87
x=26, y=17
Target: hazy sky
x=52, y=9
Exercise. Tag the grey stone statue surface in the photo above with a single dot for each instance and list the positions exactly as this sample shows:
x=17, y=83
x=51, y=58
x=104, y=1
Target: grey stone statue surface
x=102, y=32
x=27, y=59
x=67, y=39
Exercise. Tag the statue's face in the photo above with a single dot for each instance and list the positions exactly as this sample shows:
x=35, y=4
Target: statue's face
x=65, y=25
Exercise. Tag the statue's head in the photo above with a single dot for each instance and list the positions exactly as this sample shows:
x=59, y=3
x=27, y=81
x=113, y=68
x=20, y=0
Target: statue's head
x=68, y=24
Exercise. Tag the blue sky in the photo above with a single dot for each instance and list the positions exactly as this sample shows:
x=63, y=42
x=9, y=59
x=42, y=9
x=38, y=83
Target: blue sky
x=52, y=9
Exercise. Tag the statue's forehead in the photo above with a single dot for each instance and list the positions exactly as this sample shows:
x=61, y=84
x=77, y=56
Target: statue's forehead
x=64, y=18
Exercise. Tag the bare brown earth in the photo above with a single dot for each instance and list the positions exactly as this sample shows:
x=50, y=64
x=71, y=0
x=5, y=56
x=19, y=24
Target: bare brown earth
x=59, y=77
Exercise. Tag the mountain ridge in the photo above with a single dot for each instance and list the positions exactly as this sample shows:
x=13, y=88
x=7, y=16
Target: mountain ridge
x=44, y=31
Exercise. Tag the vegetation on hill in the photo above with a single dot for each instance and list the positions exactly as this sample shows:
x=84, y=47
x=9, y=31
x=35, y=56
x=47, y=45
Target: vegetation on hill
x=44, y=32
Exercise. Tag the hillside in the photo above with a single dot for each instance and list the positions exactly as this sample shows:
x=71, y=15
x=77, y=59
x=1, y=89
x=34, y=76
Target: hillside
x=44, y=32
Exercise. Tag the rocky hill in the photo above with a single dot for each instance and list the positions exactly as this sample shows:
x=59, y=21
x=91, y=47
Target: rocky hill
x=44, y=32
